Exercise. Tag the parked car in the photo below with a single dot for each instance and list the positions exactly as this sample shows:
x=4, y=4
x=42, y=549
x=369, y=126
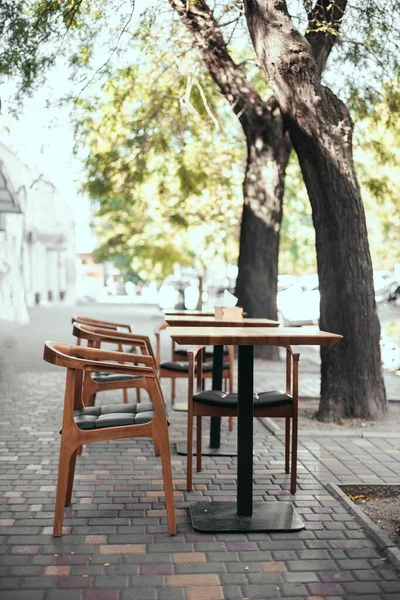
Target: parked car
x=298, y=304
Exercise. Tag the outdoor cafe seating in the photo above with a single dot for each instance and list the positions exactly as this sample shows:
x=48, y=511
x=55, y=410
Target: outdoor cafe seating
x=83, y=425
x=214, y=403
x=102, y=381
x=102, y=377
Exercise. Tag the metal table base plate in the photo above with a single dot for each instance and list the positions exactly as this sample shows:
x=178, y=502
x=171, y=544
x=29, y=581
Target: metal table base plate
x=214, y=517
x=223, y=450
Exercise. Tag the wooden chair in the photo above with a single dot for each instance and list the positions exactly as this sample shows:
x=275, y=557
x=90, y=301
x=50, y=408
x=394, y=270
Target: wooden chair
x=178, y=369
x=103, y=324
x=212, y=403
x=101, y=382
x=85, y=425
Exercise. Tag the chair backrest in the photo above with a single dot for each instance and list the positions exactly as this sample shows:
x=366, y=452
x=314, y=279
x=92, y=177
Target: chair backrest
x=195, y=360
x=79, y=359
x=157, y=331
x=101, y=323
x=95, y=336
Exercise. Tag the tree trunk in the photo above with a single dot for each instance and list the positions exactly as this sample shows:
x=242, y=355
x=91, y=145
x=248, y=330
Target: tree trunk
x=268, y=152
x=321, y=132
x=263, y=187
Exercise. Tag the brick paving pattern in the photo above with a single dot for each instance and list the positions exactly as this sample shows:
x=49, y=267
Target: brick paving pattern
x=116, y=545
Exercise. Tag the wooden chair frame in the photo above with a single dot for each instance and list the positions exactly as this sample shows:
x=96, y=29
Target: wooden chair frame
x=78, y=360
x=198, y=410
x=95, y=337
x=102, y=324
x=165, y=373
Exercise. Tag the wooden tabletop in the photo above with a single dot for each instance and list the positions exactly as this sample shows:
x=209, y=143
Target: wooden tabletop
x=193, y=321
x=198, y=313
x=251, y=336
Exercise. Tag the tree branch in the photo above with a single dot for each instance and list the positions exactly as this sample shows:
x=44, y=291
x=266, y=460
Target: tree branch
x=229, y=77
x=323, y=27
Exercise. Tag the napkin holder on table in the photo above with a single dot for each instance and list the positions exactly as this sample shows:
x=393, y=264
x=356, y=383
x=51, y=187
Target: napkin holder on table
x=228, y=312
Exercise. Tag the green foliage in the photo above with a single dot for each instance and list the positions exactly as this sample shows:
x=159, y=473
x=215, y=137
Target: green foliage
x=377, y=155
x=165, y=162
x=35, y=33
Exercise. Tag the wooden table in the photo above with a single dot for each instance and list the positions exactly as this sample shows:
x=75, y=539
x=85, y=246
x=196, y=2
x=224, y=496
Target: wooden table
x=198, y=313
x=215, y=446
x=211, y=321
x=244, y=516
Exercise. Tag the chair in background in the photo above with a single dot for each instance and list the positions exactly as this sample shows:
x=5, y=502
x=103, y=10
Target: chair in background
x=176, y=369
x=103, y=381
x=85, y=425
x=103, y=324
x=213, y=403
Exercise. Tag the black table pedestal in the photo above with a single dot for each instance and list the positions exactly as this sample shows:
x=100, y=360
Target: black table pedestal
x=215, y=517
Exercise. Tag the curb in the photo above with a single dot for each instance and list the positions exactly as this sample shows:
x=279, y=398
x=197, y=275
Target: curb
x=383, y=542
x=275, y=429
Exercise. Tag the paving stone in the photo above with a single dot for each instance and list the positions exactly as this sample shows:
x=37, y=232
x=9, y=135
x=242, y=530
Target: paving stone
x=261, y=591
x=232, y=592
x=168, y=594
x=21, y=595
x=192, y=580
x=207, y=567
x=102, y=595
x=311, y=565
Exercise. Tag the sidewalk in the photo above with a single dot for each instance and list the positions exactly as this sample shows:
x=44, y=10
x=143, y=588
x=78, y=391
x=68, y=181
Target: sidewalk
x=115, y=545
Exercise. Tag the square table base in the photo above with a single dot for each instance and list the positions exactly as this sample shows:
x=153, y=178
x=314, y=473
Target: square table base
x=214, y=517
x=222, y=450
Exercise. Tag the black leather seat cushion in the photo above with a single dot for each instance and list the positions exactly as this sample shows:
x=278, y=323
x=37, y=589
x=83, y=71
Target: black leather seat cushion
x=206, y=353
x=113, y=415
x=184, y=366
x=261, y=400
x=99, y=377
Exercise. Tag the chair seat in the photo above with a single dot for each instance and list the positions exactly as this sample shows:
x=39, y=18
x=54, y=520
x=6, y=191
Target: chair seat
x=261, y=400
x=113, y=415
x=99, y=377
x=184, y=366
x=206, y=353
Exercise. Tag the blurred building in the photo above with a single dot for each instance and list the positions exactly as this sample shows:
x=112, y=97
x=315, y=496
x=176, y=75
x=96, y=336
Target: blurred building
x=37, y=241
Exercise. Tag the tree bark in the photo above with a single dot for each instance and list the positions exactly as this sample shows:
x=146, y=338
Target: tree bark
x=321, y=130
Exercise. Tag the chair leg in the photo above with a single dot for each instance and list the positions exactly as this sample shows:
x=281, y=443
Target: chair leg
x=293, y=477
x=125, y=395
x=198, y=444
x=230, y=423
x=71, y=474
x=189, y=452
x=163, y=444
x=287, y=444
x=172, y=391
x=156, y=449
x=62, y=484
x=79, y=450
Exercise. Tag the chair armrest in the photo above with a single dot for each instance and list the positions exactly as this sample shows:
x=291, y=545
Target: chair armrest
x=91, y=359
